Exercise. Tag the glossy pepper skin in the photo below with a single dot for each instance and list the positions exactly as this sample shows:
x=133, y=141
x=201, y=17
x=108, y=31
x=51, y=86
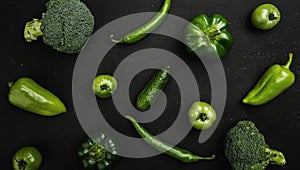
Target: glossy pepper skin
x=202, y=115
x=274, y=81
x=147, y=28
x=206, y=35
x=173, y=151
x=26, y=94
x=93, y=152
x=27, y=158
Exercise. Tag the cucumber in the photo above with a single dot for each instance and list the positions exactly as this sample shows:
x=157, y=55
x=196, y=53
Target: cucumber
x=157, y=83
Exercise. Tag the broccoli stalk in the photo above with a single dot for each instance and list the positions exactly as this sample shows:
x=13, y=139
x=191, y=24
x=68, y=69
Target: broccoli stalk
x=276, y=157
x=246, y=148
x=33, y=30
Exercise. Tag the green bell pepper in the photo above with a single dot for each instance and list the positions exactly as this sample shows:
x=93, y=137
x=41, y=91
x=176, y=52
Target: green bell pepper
x=30, y=96
x=93, y=152
x=274, y=81
x=206, y=35
x=27, y=158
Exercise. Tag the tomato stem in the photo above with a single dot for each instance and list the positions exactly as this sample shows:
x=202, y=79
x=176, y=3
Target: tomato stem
x=272, y=17
x=22, y=164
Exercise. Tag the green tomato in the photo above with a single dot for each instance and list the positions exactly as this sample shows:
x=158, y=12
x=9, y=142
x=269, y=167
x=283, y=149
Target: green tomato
x=202, y=115
x=265, y=16
x=27, y=158
x=104, y=86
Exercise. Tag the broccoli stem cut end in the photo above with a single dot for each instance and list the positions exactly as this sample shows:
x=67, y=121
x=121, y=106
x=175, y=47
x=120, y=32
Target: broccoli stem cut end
x=32, y=30
x=276, y=157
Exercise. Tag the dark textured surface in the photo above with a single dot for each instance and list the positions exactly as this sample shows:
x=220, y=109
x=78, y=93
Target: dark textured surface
x=59, y=137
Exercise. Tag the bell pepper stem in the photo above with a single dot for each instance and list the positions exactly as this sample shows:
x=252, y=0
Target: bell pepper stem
x=287, y=65
x=214, y=33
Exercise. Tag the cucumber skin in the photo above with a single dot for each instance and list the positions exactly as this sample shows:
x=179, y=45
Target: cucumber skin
x=148, y=95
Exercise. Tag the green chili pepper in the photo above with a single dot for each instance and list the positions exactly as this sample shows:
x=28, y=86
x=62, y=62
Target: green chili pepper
x=274, y=81
x=209, y=35
x=151, y=25
x=27, y=158
x=93, y=152
x=30, y=96
x=175, y=152
x=202, y=115
x=104, y=86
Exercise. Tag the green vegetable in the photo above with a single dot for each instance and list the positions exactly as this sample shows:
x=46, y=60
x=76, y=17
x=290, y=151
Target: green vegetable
x=265, y=16
x=274, y=81
x=93, y=152
x=206, y=35
x=66, y=26
x=30, y=96
x=104, y=86
x=27, y=158
x=157, y=83
x=175, y=152
x=145, y=29
x=246, y=148
x=202, y=115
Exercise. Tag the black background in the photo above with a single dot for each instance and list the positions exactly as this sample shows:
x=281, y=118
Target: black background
x=59, y=137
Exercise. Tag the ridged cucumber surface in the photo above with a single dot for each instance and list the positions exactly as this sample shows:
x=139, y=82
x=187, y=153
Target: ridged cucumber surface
x=157, y=83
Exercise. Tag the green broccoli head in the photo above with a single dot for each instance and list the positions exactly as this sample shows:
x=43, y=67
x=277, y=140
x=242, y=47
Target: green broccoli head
x=66, y=25
x=246, y=148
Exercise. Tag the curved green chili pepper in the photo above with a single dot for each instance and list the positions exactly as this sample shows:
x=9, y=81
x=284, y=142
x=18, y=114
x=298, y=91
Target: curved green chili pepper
x=30, y=96
x=151, y=25
x=175, y=152
x=275, y=80
x=206, y=35
x=94, y=154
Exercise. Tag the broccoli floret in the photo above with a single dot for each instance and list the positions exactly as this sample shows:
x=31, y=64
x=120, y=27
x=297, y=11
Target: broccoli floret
x=246, y=148
x=66, y=26
x=32, y=30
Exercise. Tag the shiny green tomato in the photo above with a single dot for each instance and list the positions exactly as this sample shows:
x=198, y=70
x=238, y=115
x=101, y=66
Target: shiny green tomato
x=104, y=86
x=27, y=158
x=265, y=16
x=202, y=115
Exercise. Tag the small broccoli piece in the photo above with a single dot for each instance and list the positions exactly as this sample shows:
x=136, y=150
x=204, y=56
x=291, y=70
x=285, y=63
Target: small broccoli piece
x=32, y=30
x=246, y=148
x=66, y=26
